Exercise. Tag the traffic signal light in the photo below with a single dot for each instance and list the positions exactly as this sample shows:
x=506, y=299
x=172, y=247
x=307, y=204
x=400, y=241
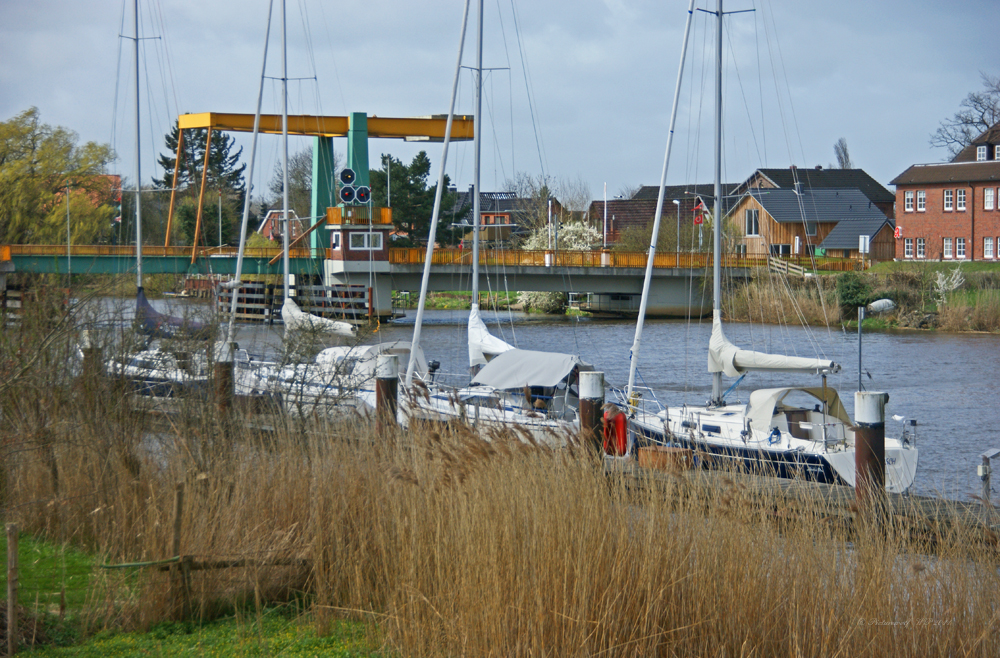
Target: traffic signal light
x=347, y=194
x=363, y=194
x=347, y=176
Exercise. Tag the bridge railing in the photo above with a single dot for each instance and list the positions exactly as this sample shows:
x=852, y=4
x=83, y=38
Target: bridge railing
x=147, y=250
x=456, y=256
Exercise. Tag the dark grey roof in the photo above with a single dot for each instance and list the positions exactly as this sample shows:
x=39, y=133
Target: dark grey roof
x=812, y=205
x=680, y=191
x=949, y=172
x=829, y=179
x=488, y=202
x=845, y=234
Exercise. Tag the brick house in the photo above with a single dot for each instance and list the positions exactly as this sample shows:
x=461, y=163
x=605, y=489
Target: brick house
x=270, y=226
x=638, y=211
x=949, y=211
x=801, y=222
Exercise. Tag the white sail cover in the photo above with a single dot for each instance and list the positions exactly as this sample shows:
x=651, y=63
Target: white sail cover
x=725, y=357
x=516, y=368
x=297, y=320
x=481, y=342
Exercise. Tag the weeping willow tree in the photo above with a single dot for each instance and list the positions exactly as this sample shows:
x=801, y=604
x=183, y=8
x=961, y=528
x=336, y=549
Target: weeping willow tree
x=38, y=164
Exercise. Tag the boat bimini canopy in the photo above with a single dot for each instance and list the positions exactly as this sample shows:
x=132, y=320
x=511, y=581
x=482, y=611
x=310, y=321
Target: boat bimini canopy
x=516, y=368
x=725, y=357
x=766, y=402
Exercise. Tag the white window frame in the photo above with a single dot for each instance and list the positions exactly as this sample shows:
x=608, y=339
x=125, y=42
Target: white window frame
x=946, y=249
x=949, y=196
x=960, y=248
x=960, y=200
x=980, y=153
x=751, y=219
x=335, y=241
x=996, y=152
x=988, y=198
x=907, y=247
x=921, y=200
x=921, y=248
x=908, y=200
x=368, y=241
x=988, y=248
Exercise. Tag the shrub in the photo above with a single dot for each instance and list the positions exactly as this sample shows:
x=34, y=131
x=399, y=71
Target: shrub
x=853, y=290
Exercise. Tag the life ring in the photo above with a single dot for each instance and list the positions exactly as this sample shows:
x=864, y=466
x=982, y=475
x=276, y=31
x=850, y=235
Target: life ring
x=615, y=432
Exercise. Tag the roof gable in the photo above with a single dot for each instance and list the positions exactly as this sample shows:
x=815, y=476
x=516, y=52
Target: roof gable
x=825, y=179
x=989, y=137
x=845, y=234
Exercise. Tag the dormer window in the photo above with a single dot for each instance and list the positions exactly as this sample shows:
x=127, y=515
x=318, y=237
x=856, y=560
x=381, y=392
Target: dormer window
x=980, y=153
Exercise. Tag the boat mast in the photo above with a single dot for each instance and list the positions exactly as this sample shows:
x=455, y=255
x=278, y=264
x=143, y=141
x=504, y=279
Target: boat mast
x=634, y=355
x=717, y=204
x=436, y=214
x=284, y=144
x=476, y=148
x=249, y=188
x=138, y=167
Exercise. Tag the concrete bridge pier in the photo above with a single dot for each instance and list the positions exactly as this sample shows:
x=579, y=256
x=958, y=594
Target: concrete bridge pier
x=374, y=274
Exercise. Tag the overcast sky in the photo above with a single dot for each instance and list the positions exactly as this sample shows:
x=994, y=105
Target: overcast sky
x=799, y=75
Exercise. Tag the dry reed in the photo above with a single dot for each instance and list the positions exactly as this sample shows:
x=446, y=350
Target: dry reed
x=451, y=545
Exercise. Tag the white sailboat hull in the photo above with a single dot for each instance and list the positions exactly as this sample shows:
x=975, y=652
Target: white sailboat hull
x=797, y=442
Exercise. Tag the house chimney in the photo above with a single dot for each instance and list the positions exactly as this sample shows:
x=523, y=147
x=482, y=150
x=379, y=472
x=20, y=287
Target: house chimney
x=819, y=167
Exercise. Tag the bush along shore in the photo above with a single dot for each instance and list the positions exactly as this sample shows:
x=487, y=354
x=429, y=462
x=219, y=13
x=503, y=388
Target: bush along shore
x=434, y=542
x=944, y=298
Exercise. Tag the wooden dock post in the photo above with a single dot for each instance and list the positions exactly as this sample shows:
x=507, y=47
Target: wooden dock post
x=386, y=390
x=11, y=589
x=591, y=403
x=869, y=446
x=224, y=375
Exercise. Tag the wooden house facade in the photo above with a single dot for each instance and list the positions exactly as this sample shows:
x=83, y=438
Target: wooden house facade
x=797, y=222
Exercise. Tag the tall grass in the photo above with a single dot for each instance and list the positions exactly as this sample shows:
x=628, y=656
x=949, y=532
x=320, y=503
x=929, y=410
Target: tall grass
x=449, y=545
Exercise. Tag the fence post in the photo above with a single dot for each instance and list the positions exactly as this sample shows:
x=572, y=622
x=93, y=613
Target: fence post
x=179, y=572
x=11, y=589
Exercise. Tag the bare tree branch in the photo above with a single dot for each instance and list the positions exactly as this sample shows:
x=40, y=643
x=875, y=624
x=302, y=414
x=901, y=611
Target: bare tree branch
x=979, y=111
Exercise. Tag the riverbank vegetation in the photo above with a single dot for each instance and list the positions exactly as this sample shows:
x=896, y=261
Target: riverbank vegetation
x=943, y=296
x=435, y=542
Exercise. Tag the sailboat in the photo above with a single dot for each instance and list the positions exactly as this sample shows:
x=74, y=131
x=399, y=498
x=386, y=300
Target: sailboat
x=535, y=392
x=341, y=378
x=156, y=372
x=790, y=431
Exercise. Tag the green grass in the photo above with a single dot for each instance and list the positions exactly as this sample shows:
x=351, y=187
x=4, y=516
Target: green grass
x=274, y=633
x=43, y=569
x=945, y=266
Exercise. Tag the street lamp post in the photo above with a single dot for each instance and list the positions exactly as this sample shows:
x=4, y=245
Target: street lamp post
x=677, y=202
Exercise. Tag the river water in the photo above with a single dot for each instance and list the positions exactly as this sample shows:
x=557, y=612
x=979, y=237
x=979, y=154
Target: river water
x=944, y=381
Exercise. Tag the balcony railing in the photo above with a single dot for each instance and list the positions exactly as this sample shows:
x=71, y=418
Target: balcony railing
x=359, y=216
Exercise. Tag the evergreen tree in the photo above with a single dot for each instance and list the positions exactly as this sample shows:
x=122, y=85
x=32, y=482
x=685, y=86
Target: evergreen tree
x=225, y=175
x=411, y=200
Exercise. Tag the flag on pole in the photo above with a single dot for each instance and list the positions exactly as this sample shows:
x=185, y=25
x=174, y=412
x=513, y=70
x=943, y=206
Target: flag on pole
x=698, y=213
